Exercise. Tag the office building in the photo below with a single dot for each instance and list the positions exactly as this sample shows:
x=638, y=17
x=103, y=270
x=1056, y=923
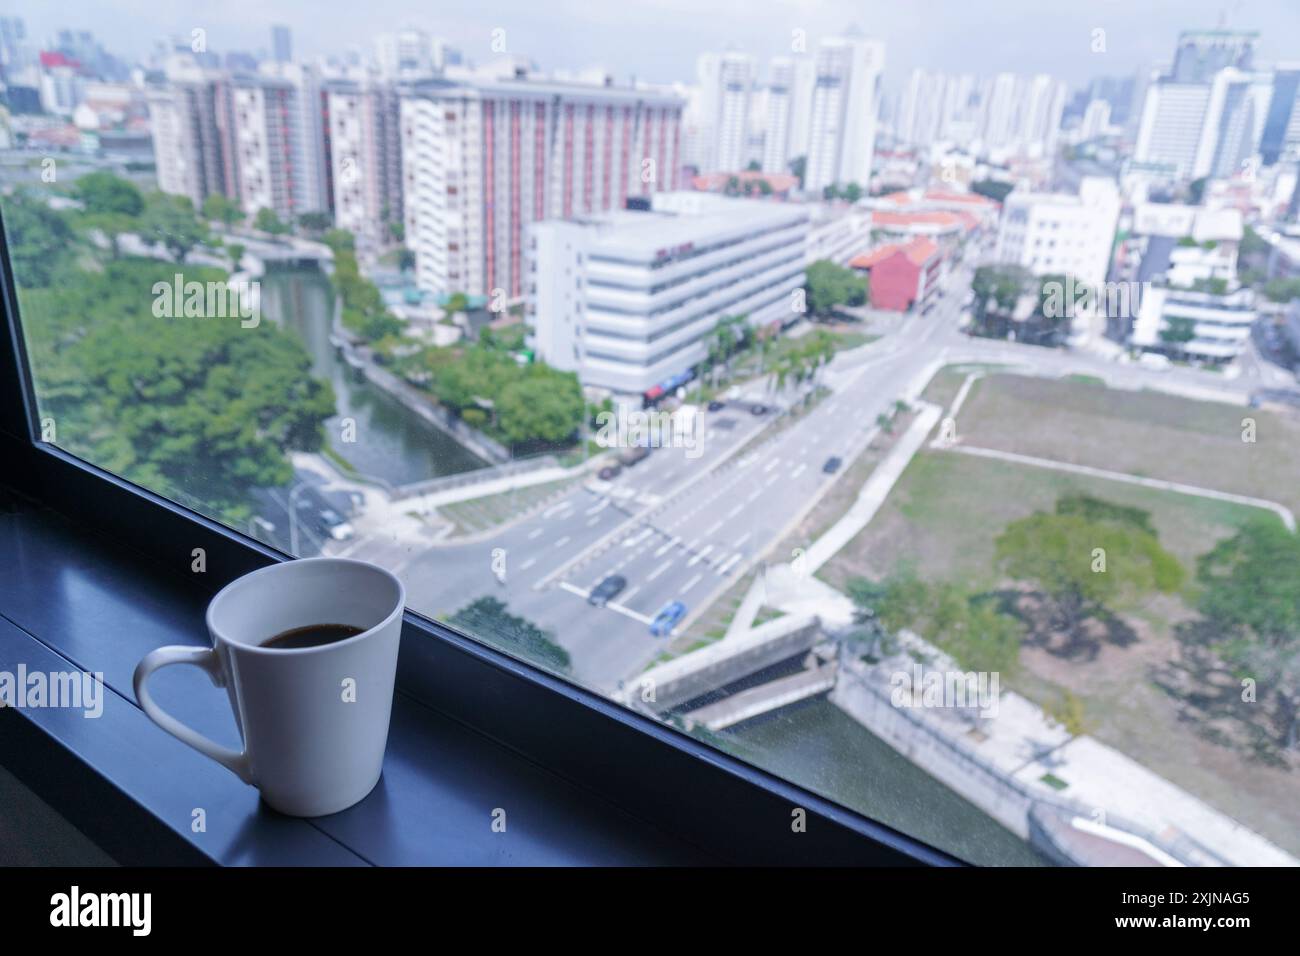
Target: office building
x=630, y=300
x=281, y=43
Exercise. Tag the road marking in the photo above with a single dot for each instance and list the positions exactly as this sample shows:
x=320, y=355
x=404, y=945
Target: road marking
x=593, y=521
x=562, y=506
x=752, y=498
x=573, y=588
x=659, y=570
x=628, y=612
x=597, y=509
x=692, y=582
x=771, y=481
x=527, y=564
x=636, y=539
x=659, y=553
x=742, y=539
x=699, y=557
x=800, y=470
x=771, y=464
x=727, y=565
x=714, y=528
x=735, y=511
x=562, y=542
x=535, y=533
x=627, y=595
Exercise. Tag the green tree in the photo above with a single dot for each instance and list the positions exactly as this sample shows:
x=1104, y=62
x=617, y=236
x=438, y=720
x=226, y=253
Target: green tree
x=992, y=189
x=203, y=410
x=829, y=285
x=222, y=209
x=315, y=222
x=962, y=623
x=38, y=239
x=852, y=192
x=266, y=220
x=1250, y=592
x=545, y=406
x=799, y=166
x=236, y=252
x=103, y=192
x=171, y=221
x=1086, y=566
x=488, y=620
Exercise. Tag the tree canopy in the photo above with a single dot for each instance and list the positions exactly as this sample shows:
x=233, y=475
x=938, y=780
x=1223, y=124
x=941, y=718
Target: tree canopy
x=487, y=619
x=1250, y=590
x=829, y=285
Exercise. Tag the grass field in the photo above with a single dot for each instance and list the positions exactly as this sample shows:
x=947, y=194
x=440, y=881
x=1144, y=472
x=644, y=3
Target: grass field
x=1156, y=698
x=1140, y=433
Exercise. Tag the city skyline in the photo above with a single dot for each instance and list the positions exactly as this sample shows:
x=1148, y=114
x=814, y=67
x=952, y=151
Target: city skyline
x=624, y=42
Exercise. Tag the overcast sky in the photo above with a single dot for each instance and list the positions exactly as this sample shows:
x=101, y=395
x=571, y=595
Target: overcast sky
x=658, y=40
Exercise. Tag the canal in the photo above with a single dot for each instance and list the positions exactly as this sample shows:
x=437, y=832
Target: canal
x=391, y=443
x=818, y=746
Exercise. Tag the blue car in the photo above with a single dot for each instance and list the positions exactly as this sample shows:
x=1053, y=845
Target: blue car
x=667, y=618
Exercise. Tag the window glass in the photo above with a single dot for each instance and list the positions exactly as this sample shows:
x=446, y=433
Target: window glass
x=712, y=382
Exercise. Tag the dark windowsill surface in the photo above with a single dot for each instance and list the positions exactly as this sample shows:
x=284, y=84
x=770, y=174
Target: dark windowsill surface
x=71, y=600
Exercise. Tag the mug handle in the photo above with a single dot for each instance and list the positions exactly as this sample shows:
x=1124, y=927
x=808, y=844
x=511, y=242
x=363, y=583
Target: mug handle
x=204, y=658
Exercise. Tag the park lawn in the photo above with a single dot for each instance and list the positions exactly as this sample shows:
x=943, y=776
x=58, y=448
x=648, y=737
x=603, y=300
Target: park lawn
x=1149, y=434
x=948, y=508
x=479, y=514
x=943, y=517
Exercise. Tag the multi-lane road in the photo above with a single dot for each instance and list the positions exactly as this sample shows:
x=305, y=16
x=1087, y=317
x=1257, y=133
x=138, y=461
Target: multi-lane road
x=682, y=528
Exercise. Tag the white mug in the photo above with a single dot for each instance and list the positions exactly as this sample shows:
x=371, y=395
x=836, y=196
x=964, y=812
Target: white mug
x=314, y=720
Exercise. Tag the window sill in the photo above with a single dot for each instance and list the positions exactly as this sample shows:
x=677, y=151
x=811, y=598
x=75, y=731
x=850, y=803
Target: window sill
x=69, y=601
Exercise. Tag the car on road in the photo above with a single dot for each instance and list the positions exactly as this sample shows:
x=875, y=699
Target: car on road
x=832, y=465
x=608, y=589
x=717, y=406
x=609, y=472
x=758, y=409
x=633, y=455
x=667, y=618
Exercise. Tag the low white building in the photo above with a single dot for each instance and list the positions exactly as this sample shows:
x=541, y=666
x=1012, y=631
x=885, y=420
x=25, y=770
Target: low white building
x=1192, y=304
x=1050, y=233
x=1063, y=234
x=630, y=299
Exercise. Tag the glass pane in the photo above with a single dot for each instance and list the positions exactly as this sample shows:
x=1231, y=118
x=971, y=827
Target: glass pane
x=902, y=418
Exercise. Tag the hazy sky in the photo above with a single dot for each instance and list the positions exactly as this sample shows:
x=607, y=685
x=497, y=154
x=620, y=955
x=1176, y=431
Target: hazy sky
x=659, y=39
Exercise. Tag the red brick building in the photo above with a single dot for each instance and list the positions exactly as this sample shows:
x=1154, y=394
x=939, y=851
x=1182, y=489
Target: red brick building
x=903, y=275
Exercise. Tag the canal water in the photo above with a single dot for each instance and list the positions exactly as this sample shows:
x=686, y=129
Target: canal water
x=818, y=746
x=391, y=443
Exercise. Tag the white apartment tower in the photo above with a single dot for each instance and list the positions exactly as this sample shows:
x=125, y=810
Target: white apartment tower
x=279, y=142
x=789, y=98
x=365, y=158
x=845, y=103
x=726, y=83
x=483, y=159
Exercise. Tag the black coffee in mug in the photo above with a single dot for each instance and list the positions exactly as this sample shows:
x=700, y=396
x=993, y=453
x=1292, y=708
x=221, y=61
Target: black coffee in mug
x=311, y=635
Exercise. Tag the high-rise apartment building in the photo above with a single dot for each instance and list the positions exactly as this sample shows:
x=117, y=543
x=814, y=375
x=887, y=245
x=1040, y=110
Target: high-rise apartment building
x=363, y=129
x=481, y=159
x=191, y=123
x=845, y=104
x=726, y=85
x=281, y=43
x=279, y=142
x=789, y=102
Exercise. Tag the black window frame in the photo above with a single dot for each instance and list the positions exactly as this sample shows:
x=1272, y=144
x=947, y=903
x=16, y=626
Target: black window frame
x=734, y=811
